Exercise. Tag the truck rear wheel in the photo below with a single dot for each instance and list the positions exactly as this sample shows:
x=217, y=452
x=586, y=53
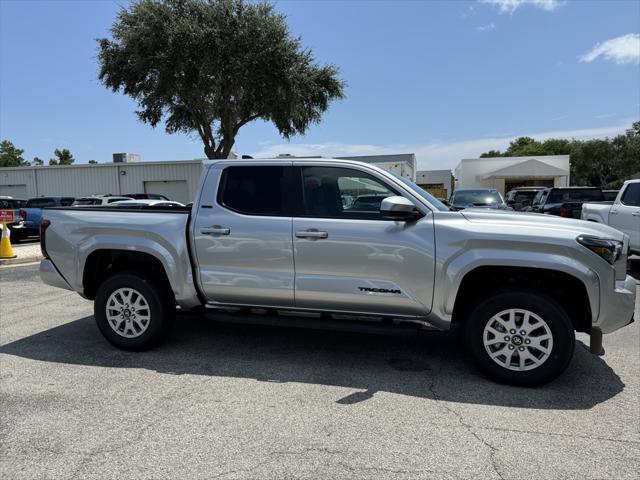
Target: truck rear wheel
x=520, y=338
x=133, y=312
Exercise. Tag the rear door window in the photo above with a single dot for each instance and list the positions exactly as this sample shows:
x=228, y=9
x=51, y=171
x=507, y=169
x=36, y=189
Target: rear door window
x=254, y=190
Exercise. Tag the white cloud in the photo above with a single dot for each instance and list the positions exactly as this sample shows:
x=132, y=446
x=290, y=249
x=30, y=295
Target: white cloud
x=510, y=6
x=438, y=154
x=486, y=28
x=623, y=49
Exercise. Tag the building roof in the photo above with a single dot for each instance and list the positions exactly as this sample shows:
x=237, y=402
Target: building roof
x=531, y=168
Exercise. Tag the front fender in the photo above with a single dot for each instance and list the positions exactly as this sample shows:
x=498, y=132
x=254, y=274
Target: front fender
x=455, y=269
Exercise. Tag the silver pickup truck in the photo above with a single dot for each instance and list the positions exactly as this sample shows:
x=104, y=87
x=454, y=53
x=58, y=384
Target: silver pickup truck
x=347, y=240
x=623, y=214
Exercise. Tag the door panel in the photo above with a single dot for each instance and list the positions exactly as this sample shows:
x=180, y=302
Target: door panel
x=373, y=266
x=347, y=258
x=244, y=259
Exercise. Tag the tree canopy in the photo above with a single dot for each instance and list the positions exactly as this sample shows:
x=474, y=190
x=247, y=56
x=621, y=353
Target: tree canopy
x=10, y=156
x=63, y=157
x=212, y=66
x=600, y=162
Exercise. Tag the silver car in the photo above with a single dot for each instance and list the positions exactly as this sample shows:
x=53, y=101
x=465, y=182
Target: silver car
x=276, y=234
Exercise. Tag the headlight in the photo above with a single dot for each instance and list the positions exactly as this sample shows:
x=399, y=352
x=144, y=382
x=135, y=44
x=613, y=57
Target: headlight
x=608, y=249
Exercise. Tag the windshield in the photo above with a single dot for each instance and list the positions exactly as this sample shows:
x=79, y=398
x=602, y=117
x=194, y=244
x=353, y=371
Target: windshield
x=476, y=197
x=422, y=193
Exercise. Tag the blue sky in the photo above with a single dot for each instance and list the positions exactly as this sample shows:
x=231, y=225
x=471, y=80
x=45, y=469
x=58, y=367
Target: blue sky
x=445, y=80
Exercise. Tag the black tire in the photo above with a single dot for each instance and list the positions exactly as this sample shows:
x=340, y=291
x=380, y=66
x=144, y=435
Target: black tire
x=161, y=310
x=542, y=305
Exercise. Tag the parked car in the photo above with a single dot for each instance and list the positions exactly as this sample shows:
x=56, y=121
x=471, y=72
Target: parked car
x=273, y=235
x=146, y=203
x=610, y=195
x=10, y=203
x=521, y=197
x=477, y=198
x=564, y=201
x=623, y=214
x=31, y=214
x=98, y=200
x=146, y=196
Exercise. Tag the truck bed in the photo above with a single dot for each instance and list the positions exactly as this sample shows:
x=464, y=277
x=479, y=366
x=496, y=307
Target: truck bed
x=76, y=233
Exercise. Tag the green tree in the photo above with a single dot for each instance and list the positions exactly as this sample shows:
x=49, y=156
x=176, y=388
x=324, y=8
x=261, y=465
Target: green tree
x=63, y=157
x=93, y=162
x=557, y=146
x=10, y=156
x=524, y=146
x=37, y=161
x=212, y=66
x=591, y=163
x=491, y=153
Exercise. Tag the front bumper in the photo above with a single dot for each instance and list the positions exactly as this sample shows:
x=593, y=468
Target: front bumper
x=50, y=275
x=617, y=312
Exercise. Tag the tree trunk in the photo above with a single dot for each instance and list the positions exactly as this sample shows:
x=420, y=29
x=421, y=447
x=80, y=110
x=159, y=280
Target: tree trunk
x=210, y=152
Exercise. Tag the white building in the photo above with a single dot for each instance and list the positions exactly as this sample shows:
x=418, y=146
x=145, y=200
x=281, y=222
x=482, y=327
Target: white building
x=436, y=182
x=506, y=173
x=178, y=180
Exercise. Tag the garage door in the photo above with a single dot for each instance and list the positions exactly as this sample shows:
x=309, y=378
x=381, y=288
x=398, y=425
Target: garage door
x=172, y=189
x=15, y=191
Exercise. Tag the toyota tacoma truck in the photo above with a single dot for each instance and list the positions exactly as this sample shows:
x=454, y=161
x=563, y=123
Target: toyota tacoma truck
x=623, y=214
x=277, y=235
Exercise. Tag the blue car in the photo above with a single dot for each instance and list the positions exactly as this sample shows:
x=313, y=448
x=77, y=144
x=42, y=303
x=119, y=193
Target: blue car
x=31, y=215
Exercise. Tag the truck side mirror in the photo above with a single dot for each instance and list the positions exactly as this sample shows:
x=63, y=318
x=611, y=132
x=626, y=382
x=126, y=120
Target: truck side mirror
x=399, y=209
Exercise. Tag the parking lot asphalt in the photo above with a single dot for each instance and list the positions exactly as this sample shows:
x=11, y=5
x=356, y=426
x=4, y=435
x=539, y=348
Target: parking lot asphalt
x=228, y=400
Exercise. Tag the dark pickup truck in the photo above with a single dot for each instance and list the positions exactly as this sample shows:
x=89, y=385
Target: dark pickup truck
x=564, y=201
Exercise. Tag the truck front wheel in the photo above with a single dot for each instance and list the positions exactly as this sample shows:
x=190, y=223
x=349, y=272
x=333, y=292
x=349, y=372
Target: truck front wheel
x=521, y=338
x=133, y=312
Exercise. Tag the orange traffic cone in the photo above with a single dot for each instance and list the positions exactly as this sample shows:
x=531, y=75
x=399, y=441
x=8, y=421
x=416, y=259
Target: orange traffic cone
x=5, y=244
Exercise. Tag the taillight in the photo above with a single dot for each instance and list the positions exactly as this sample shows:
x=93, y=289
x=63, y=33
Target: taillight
x=563, y=211
x=43, y=230
x=23, y=214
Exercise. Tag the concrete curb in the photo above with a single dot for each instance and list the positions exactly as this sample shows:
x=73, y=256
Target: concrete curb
x=20, y=260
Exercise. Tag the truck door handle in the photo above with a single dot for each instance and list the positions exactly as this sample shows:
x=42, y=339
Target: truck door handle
x=613, y=212
x=311, y=233
x=636, y=214
x=215, y=230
